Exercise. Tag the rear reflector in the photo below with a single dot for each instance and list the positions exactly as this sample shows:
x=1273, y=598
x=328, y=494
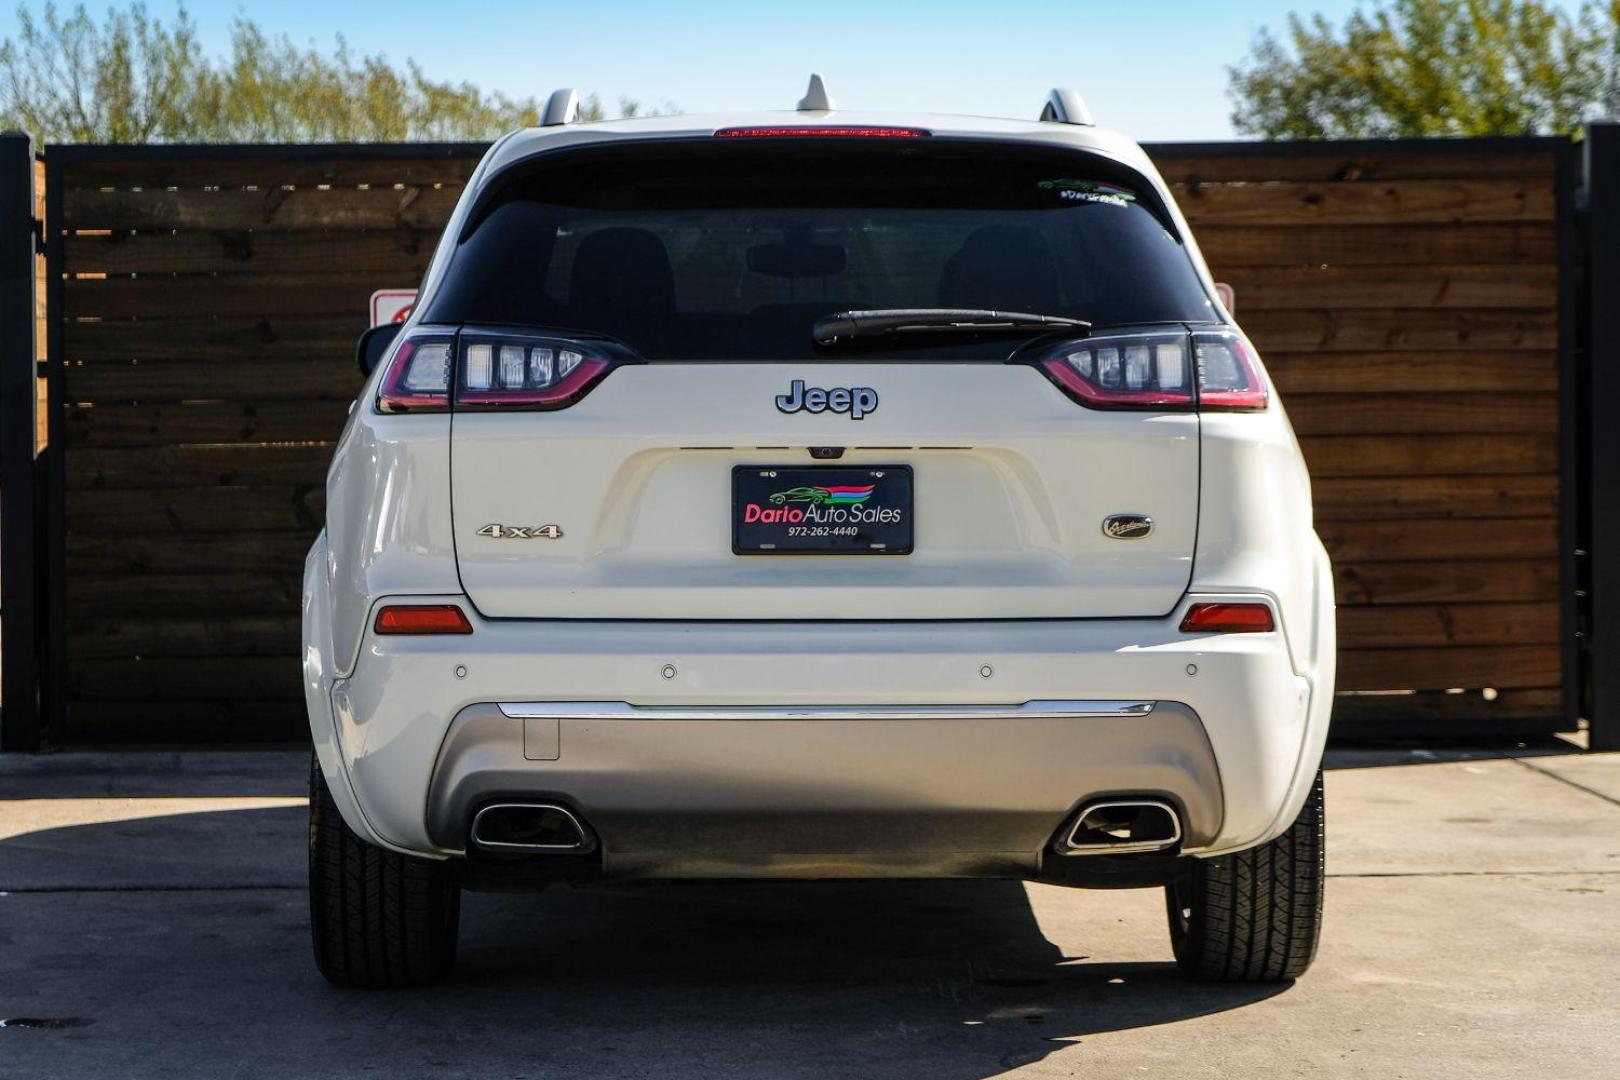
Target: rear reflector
x=845, y=132
x=422, y=619
x=1228, y=619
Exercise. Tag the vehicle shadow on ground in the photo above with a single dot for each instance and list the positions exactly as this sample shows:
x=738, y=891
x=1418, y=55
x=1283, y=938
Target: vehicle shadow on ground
x=949, y=980
x=1389, y=752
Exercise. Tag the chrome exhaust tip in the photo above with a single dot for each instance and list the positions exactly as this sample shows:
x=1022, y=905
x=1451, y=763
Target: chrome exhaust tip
x=536, y=828
x=1124, y=827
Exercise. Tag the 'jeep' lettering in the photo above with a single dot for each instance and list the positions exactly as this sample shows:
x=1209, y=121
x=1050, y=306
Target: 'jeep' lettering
x=855, y=400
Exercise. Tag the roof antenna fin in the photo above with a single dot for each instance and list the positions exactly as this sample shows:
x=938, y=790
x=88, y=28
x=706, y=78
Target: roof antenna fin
x=816, y=98
x=562, y=107
x=1064, y=106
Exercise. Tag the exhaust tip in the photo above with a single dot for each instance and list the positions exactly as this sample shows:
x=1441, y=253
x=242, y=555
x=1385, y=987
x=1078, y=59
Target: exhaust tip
x=530, y=827
x=1124, y=827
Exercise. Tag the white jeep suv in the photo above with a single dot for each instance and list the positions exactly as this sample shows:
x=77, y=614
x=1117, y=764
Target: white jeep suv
x=817, y=495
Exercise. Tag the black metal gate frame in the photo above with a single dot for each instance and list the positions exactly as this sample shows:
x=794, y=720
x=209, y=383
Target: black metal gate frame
x=19, y=464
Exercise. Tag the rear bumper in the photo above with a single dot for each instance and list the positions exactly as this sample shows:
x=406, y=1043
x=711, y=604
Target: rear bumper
x=416, y=735
x=680, y=792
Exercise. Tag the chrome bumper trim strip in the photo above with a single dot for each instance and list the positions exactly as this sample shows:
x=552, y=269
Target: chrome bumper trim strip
x=619, y=710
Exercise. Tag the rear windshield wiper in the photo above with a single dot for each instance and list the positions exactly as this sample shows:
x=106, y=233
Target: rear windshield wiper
x=850, y=326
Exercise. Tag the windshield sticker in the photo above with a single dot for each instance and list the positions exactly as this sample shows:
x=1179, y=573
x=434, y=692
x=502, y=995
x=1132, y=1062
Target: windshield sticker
x=1090, y=191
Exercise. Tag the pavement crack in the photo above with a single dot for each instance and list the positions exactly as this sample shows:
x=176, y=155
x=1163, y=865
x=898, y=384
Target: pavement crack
x=1474, y=873
x=1577, y=785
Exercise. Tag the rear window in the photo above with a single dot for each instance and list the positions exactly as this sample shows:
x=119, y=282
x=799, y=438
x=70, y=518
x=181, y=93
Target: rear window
x=732, y=249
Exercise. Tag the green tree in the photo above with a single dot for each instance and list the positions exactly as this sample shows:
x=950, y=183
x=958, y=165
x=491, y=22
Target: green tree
x=133, y=78
x=1432, y=68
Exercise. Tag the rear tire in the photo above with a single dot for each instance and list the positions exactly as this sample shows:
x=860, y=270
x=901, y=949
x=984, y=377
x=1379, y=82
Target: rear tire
x=1255, y=915
x=379, y=919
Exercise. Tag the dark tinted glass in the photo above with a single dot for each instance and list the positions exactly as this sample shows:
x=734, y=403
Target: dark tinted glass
x=732, y=249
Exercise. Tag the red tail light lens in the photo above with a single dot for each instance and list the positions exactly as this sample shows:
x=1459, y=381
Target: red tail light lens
x=1228, y=619
x=422, y=619
x=1132, y=371
x=1160, y=370
x=1228, y=373
x=501, y=370
x=822, y=132
x=417, y=375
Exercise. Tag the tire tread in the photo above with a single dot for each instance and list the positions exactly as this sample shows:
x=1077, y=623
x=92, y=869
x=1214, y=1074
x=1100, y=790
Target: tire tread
x=377, y=918
x=1256, y=915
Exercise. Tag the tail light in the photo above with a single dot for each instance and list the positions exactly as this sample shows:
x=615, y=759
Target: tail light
x=1160, y=370
x=1228, y=373
x=417, y=375
x=494, y=369
x=422, y=619
x=524, y=371
x=1133, y=371
x=1228, y=619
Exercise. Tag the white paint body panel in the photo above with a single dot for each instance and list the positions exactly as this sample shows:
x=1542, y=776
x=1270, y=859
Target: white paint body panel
x=380, y=708
x=1012, y=479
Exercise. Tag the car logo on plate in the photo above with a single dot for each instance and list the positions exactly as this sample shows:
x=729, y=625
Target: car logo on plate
x=1127, y=526
x=855, y=400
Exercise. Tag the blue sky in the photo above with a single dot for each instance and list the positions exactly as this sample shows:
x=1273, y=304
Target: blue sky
x=1155, y=69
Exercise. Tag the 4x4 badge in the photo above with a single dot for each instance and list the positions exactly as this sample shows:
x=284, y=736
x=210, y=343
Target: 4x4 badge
x=1127, y=526
x=521, y=532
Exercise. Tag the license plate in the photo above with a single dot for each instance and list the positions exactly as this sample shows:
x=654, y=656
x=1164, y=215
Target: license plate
x=821, y=510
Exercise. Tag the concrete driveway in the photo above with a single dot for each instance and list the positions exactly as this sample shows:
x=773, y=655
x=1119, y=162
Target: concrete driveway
x=153, y=924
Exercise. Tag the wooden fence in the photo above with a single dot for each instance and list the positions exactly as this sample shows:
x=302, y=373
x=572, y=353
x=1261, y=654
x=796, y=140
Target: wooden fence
x=1405, y=296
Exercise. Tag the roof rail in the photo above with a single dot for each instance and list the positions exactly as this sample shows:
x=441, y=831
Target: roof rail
x=562, y=107
x=1064, y=106
x=816, y=98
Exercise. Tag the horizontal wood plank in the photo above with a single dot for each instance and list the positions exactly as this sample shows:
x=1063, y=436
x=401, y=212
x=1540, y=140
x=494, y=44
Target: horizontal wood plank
x=1420, y=714
x=1464, y=159
x=1485, y=580
x=279, y=553
x=1422, y=288
x=1434, y=625
x=164, y=424
x=414, y=207
x=225, y=510
x=268, y=168
x=218, y=635
x=321, y=377
x=392, y=258
x=1291, y=202
x=1393, y=330
x=1363, y=543
x=1438, y=412
x=156, y=723
x=1429, y=455
x=1412, y=372
x=260, y=678
x=1443, y=668
x=158, y=297
x=147, y=467
x=1405, y=497
x=151, y=596
x=1231, y=248
x=289, y=337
